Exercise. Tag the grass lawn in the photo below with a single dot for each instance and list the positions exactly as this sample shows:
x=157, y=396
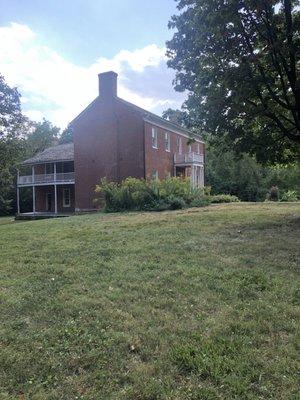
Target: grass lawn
x=194, y=304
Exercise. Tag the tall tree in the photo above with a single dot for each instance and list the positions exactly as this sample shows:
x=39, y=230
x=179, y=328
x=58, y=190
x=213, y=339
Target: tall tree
x=177, y=116
x=11, y=122
x=240, y=61
x=42, y=135
x=66, y=136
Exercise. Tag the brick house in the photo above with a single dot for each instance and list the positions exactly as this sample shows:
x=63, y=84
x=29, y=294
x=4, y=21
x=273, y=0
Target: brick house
x=114, y=139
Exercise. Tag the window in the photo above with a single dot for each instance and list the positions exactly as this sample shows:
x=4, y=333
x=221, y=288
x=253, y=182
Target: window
x=154, y=174
x=66, y=198
x=167, y=141
x=190, y=148
x=49, y=168
x=154, y=138
x=198, y=148
x=179, y=145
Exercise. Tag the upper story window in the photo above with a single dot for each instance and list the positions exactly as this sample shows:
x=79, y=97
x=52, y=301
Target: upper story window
x=179, y=145
x=198, y=148
x=190, y=148
x=154, y=138
x=167, y=141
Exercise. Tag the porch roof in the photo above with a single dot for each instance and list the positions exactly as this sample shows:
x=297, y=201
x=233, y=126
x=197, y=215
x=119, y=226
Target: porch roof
x=62, y=152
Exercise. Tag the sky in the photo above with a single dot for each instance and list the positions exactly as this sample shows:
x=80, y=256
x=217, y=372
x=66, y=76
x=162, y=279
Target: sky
x=53, y=50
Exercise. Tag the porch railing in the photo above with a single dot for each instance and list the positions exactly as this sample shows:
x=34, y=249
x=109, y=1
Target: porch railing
x=188, y=158
x=67, y=177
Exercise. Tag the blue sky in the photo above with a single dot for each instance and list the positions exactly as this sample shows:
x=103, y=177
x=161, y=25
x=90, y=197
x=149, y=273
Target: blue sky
x=53, y=50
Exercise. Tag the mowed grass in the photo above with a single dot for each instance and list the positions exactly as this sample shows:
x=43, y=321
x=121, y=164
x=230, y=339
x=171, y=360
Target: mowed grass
x=194, y=304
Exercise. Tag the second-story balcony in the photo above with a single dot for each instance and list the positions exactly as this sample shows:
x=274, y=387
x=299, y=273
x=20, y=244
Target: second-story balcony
x=188, y=158
x=46, y=179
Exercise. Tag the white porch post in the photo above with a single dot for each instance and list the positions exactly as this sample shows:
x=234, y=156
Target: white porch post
x=18, y=194
x=202, y=176
x=33, y=191
x=193, y=175
x=55, y=190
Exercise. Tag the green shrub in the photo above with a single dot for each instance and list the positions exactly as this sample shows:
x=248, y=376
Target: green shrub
x=224, y=198
x=289, y=195
x=175, y=203
x=201, y=201
x=150, y=195
x=273, y=194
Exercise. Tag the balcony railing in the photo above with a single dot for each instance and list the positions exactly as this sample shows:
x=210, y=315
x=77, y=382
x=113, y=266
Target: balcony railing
x=68, y=177
x=188, y=158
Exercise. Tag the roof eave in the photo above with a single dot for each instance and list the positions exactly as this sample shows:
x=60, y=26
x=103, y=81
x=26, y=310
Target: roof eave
x=176, y=129
x=28, y=162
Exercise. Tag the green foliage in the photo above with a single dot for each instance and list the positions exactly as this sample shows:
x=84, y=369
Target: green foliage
x=11, y=122
x=66, y=136
x=43, y=134
x=20, y=138
x=273, y=194
x=201, y=201
x=176, y=116
x=139, y=194
x=239, y=60
x=224, y=198
x=244, y=177
x=289, y=195
x=10, y=111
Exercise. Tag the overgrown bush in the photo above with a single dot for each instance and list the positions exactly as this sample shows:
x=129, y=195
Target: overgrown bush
x=139, y=194
x=273, y=194
x=289, y=195
x=224, y=198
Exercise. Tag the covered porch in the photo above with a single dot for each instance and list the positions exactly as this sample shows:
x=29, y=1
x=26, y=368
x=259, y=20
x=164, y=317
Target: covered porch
x=190, y=165
x=46, y=183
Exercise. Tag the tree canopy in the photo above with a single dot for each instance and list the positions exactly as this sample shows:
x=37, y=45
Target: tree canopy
x=20, y=138
x=239, y=60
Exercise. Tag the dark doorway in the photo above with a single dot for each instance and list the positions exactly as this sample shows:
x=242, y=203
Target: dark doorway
x=180, y=172
x=48, y=202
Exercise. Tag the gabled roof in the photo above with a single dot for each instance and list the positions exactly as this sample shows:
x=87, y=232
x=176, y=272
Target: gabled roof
x=155, y=119
x=148, y=116
x=61, y=152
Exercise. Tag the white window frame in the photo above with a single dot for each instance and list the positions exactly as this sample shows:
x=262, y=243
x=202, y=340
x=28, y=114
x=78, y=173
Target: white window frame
x=64, y=197
x=154, y=174
x=167, y=141
x=154, y=138
x=179, y=144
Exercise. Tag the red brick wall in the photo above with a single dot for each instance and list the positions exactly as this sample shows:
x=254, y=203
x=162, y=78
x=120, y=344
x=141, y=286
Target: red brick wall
x=108, y=142
x=95, y=151
x=131, y=142
x=159, y=159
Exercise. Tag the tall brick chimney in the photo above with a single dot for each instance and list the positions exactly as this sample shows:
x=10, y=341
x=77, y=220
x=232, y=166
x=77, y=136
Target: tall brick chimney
x=108, y=84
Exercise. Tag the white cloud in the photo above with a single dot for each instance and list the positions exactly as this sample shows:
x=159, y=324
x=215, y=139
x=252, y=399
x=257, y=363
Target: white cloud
x=58, y=90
